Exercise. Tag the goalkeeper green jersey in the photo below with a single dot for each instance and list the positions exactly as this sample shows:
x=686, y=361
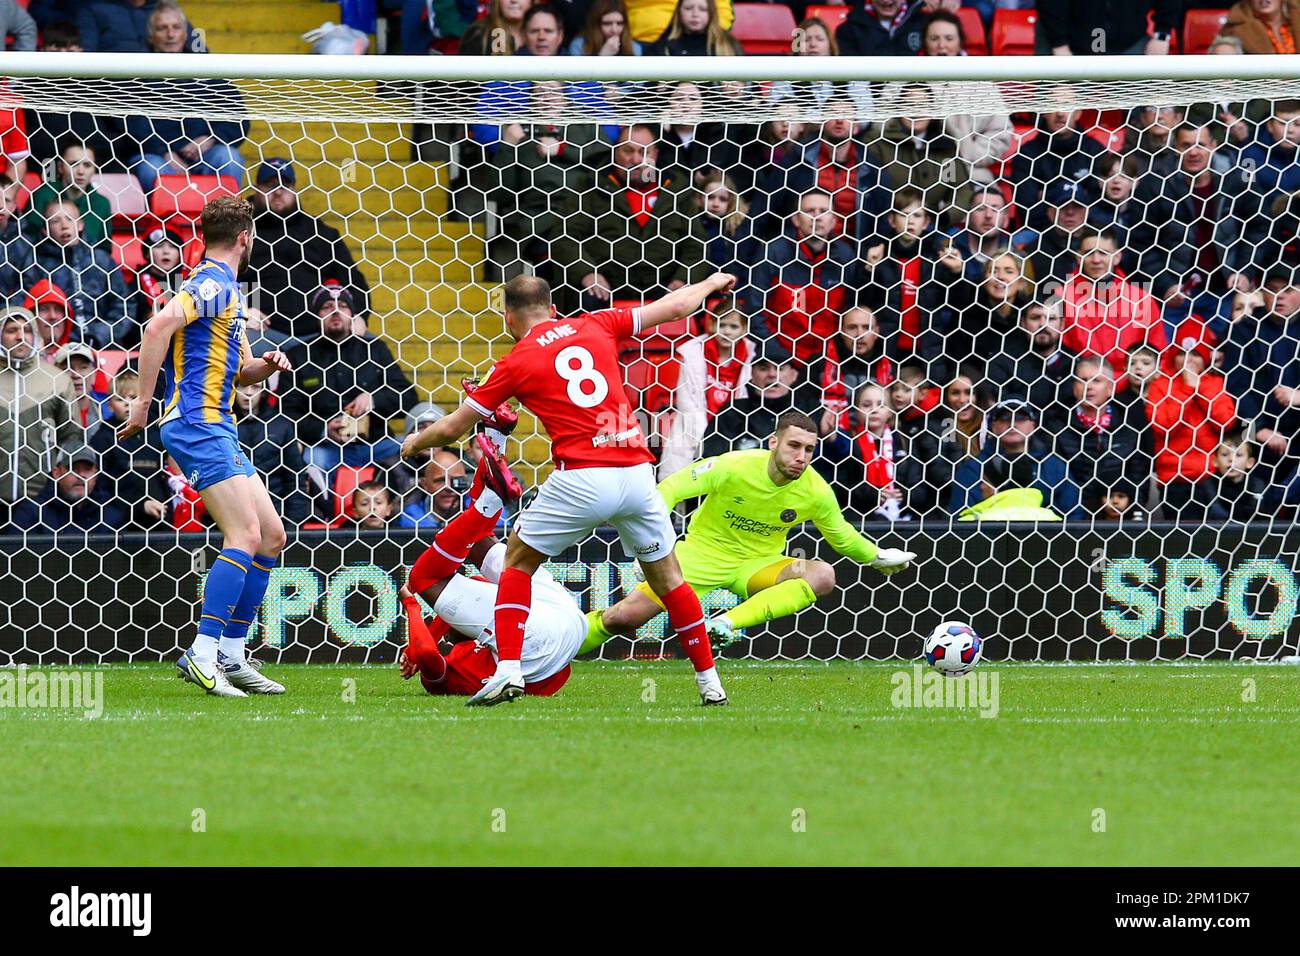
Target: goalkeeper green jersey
x=745, y=514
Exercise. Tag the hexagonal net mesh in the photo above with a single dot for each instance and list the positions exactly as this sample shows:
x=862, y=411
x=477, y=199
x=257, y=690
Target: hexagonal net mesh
x=1047, y=333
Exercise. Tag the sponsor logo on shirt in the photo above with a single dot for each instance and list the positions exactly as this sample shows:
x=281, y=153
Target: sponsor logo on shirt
x=752, y=525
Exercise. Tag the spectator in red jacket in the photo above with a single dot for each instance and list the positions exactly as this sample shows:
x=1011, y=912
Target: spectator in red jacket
x=808, y=277
x=1103, y=313
x=1190, y=411
x=49, y=304
x=159, y=278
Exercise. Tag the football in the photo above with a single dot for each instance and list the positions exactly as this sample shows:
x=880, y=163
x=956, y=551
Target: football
x=953, y=648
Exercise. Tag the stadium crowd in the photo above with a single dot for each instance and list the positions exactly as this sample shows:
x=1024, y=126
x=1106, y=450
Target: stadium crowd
x=1101, y=308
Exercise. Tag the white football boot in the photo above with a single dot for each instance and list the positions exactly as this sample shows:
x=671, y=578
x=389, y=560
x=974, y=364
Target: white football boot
x=214, y=683
x=247, y=676
x=496, y=689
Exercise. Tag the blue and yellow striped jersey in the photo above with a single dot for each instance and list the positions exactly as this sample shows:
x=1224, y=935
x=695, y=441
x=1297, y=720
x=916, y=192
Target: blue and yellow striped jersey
x=207, y=352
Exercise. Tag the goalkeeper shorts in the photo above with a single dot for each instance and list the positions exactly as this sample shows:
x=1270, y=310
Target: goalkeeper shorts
x=707, y=569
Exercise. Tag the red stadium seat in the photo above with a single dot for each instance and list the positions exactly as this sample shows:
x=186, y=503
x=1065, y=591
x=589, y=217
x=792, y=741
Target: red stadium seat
x=1013, y=33
x=128, y=251
x=830, y=14
x=650, y=379
x=763, y=27
x=347, y=480
x=125, y=197
x=111, y=360
x=972, y=25
x=183, y=196
x=1200, y=27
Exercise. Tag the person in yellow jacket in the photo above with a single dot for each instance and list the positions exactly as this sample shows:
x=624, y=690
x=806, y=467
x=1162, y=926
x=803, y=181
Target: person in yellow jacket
x=648, y=19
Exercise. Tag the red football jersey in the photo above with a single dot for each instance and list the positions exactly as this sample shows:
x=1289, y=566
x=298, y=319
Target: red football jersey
x=566, y=372
x=470, y=664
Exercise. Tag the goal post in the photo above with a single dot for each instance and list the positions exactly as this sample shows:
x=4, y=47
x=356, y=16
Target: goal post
x=1043, y=311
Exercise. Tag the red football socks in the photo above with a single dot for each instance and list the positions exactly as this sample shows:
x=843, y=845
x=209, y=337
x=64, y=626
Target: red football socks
x=450, y=547
x=687, y=618
x=422, y=644
x=514, y=597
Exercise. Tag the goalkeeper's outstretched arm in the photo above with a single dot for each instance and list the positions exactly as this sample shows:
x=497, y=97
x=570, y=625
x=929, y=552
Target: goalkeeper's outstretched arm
x=850, y=542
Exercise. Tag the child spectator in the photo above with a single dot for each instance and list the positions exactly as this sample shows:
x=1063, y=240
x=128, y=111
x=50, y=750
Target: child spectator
x=372, y=506
x=1234, y=492
x=912, y=398
x=1143, y=366
x=696, y=30
x=1103, y=313
x=188, y=512
x=912, y=274
x=1190, y=410
x=807, y=278
x=99, y=298
x=728, y=240
x=1121, y=504
x=865, y=451
x=714, y=371
x=77, y=168
x=1115, y=208
x=159, y=278
x=606, y=32
x=16, y=250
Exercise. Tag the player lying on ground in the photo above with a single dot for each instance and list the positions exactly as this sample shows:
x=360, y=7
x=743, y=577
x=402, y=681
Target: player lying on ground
x=198, y=341
x=736, y=538
x=566, y=372
x=464, y=607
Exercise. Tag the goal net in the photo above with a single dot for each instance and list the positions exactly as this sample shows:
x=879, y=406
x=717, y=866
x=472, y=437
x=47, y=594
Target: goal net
x=1044, y=315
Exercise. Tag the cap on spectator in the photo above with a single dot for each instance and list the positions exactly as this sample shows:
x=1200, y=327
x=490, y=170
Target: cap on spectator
x=45, y=291
x=163, y=234
x=424, y=413
x=1066, y=191
x=333, y=290
x=67, y=352
x=68, y=458
x=277, y=169
x=1193, y=335
x=1013, y=408
x=1290, y=275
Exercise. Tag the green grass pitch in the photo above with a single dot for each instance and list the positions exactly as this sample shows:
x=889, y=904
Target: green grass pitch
x=812, y=764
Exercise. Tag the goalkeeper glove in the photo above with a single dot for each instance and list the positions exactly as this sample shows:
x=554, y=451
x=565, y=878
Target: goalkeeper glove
x=889, y=560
